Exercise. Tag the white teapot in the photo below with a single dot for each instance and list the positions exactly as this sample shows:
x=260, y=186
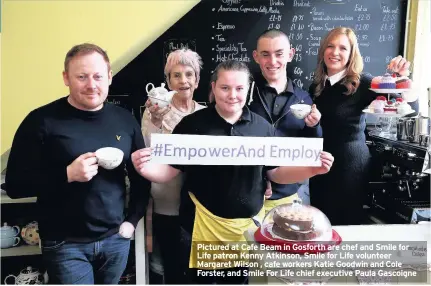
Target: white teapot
x=159, y=95
x=28, y=276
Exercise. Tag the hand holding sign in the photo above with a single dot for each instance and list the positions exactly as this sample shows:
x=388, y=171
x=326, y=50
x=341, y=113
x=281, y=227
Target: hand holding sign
x=140, y=158
x=327, y=160
x=268, y=191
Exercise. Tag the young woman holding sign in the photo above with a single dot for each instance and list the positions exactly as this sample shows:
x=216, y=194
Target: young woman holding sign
x=219, y=202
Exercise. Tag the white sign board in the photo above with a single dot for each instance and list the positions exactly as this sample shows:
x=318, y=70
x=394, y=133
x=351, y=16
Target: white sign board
x=235, y=150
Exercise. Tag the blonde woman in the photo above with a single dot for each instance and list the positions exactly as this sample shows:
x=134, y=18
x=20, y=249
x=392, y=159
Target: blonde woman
x=341, y=92
x=182, y=71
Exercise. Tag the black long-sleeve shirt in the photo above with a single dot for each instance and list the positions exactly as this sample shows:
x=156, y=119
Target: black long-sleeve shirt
x=52, y=137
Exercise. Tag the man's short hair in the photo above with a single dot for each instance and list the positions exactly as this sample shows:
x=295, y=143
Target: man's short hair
x=272, y=33
x=85, y=49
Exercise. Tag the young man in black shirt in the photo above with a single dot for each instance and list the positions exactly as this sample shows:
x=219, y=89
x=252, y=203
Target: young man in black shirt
x=273, y=94
x=219, y=202
x=83, y=226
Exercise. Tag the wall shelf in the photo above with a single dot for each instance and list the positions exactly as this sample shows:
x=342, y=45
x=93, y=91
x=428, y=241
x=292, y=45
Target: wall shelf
x=5, y=199
x=22, y=250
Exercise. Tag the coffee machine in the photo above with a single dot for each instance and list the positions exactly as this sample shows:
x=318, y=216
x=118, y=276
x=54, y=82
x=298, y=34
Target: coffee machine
x=416, y=129
x=399, y=188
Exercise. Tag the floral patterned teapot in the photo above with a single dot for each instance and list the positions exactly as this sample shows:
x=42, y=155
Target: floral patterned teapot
x=28, y=276
x=30, y=233
x=159, y=95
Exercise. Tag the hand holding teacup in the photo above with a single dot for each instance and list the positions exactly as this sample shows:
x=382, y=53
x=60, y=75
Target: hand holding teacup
x=313, y=118
x=83, y=168
x=86, y=166
x=310, y=114
x=157, y=112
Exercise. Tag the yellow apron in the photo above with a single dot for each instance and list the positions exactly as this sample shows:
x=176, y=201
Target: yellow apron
x=217, y=235
x=270, y=204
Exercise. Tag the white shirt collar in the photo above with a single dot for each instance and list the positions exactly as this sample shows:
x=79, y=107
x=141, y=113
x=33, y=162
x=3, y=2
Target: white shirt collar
x=333, y=79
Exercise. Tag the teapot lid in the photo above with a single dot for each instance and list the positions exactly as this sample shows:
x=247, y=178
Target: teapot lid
x=161, y=88
x=5, y=227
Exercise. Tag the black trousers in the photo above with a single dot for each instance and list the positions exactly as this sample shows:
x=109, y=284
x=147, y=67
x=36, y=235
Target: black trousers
x=166, y=230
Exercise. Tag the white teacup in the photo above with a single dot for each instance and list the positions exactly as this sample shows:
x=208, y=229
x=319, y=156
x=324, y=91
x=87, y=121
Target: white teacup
x=109, y=157
x=300, y=111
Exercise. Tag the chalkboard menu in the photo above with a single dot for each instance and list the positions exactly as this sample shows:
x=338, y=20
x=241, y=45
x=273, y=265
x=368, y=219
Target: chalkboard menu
x=227, y=29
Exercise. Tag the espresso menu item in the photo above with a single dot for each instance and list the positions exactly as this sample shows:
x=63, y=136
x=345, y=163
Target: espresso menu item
x=227, y=29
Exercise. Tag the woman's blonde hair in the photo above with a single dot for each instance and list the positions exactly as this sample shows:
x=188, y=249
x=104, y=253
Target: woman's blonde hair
x=354, y=65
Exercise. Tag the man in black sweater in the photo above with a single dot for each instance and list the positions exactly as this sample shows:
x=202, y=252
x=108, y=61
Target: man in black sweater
x=84, y=229
x=273, y=94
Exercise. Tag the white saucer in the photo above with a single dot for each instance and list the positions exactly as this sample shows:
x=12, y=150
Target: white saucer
x=386, y=114
x=389, y=90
